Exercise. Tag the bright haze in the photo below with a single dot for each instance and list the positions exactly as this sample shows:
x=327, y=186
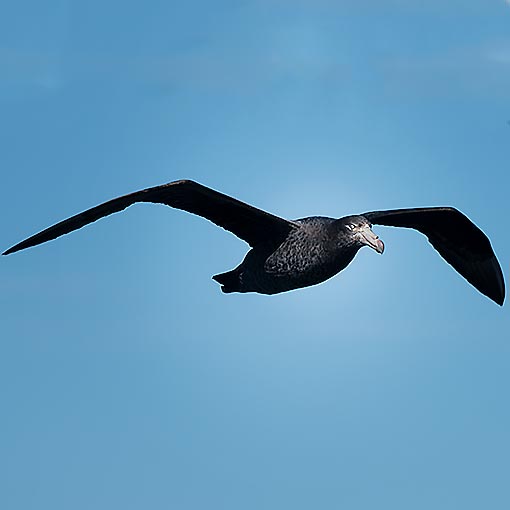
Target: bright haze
x=128, y=379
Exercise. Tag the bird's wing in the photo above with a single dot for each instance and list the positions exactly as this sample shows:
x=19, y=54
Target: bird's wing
x=249, y=223
x=457, y=239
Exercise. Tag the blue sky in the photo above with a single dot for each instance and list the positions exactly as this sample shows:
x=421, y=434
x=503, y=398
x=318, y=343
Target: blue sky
x=127, y=379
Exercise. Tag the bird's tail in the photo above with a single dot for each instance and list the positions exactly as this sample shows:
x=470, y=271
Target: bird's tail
x=229, y=281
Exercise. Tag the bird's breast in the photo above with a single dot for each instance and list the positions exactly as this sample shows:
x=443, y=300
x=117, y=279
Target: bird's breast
x=309, y=257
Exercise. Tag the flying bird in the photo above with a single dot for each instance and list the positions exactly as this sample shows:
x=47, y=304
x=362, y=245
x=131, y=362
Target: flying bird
x=290, y=254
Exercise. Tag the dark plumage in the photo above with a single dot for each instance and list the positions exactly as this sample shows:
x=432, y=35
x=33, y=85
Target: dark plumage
x=289, y=255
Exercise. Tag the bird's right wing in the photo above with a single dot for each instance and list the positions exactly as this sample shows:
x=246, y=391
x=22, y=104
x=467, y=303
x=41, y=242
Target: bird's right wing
x=457, y=239
x=245, y=221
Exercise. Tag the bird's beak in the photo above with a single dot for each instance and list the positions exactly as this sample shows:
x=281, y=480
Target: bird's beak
x=370, y=239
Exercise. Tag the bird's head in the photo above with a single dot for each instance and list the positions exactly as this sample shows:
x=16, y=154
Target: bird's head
x=359, y=230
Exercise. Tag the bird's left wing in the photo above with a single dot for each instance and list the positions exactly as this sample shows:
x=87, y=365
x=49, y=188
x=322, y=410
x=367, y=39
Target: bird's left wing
x=457, y=239
x=245, y=221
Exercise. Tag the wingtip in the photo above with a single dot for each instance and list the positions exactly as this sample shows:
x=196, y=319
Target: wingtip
x=12, y=249
x=497, y=297
x=500, y=293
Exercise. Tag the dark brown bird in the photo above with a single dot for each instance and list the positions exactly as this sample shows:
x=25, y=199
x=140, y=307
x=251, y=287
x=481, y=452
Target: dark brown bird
x=288, y=255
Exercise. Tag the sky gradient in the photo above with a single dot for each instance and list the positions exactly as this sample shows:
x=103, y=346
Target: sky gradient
x=127, y=379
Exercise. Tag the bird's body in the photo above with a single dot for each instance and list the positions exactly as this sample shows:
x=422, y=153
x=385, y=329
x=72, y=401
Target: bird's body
x=288, y=255
x=312, y=253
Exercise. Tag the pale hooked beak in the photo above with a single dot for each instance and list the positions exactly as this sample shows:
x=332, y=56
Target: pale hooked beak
x=370, y=239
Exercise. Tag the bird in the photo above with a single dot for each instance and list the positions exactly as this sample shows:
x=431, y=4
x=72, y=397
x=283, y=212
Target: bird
x=291, y=254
